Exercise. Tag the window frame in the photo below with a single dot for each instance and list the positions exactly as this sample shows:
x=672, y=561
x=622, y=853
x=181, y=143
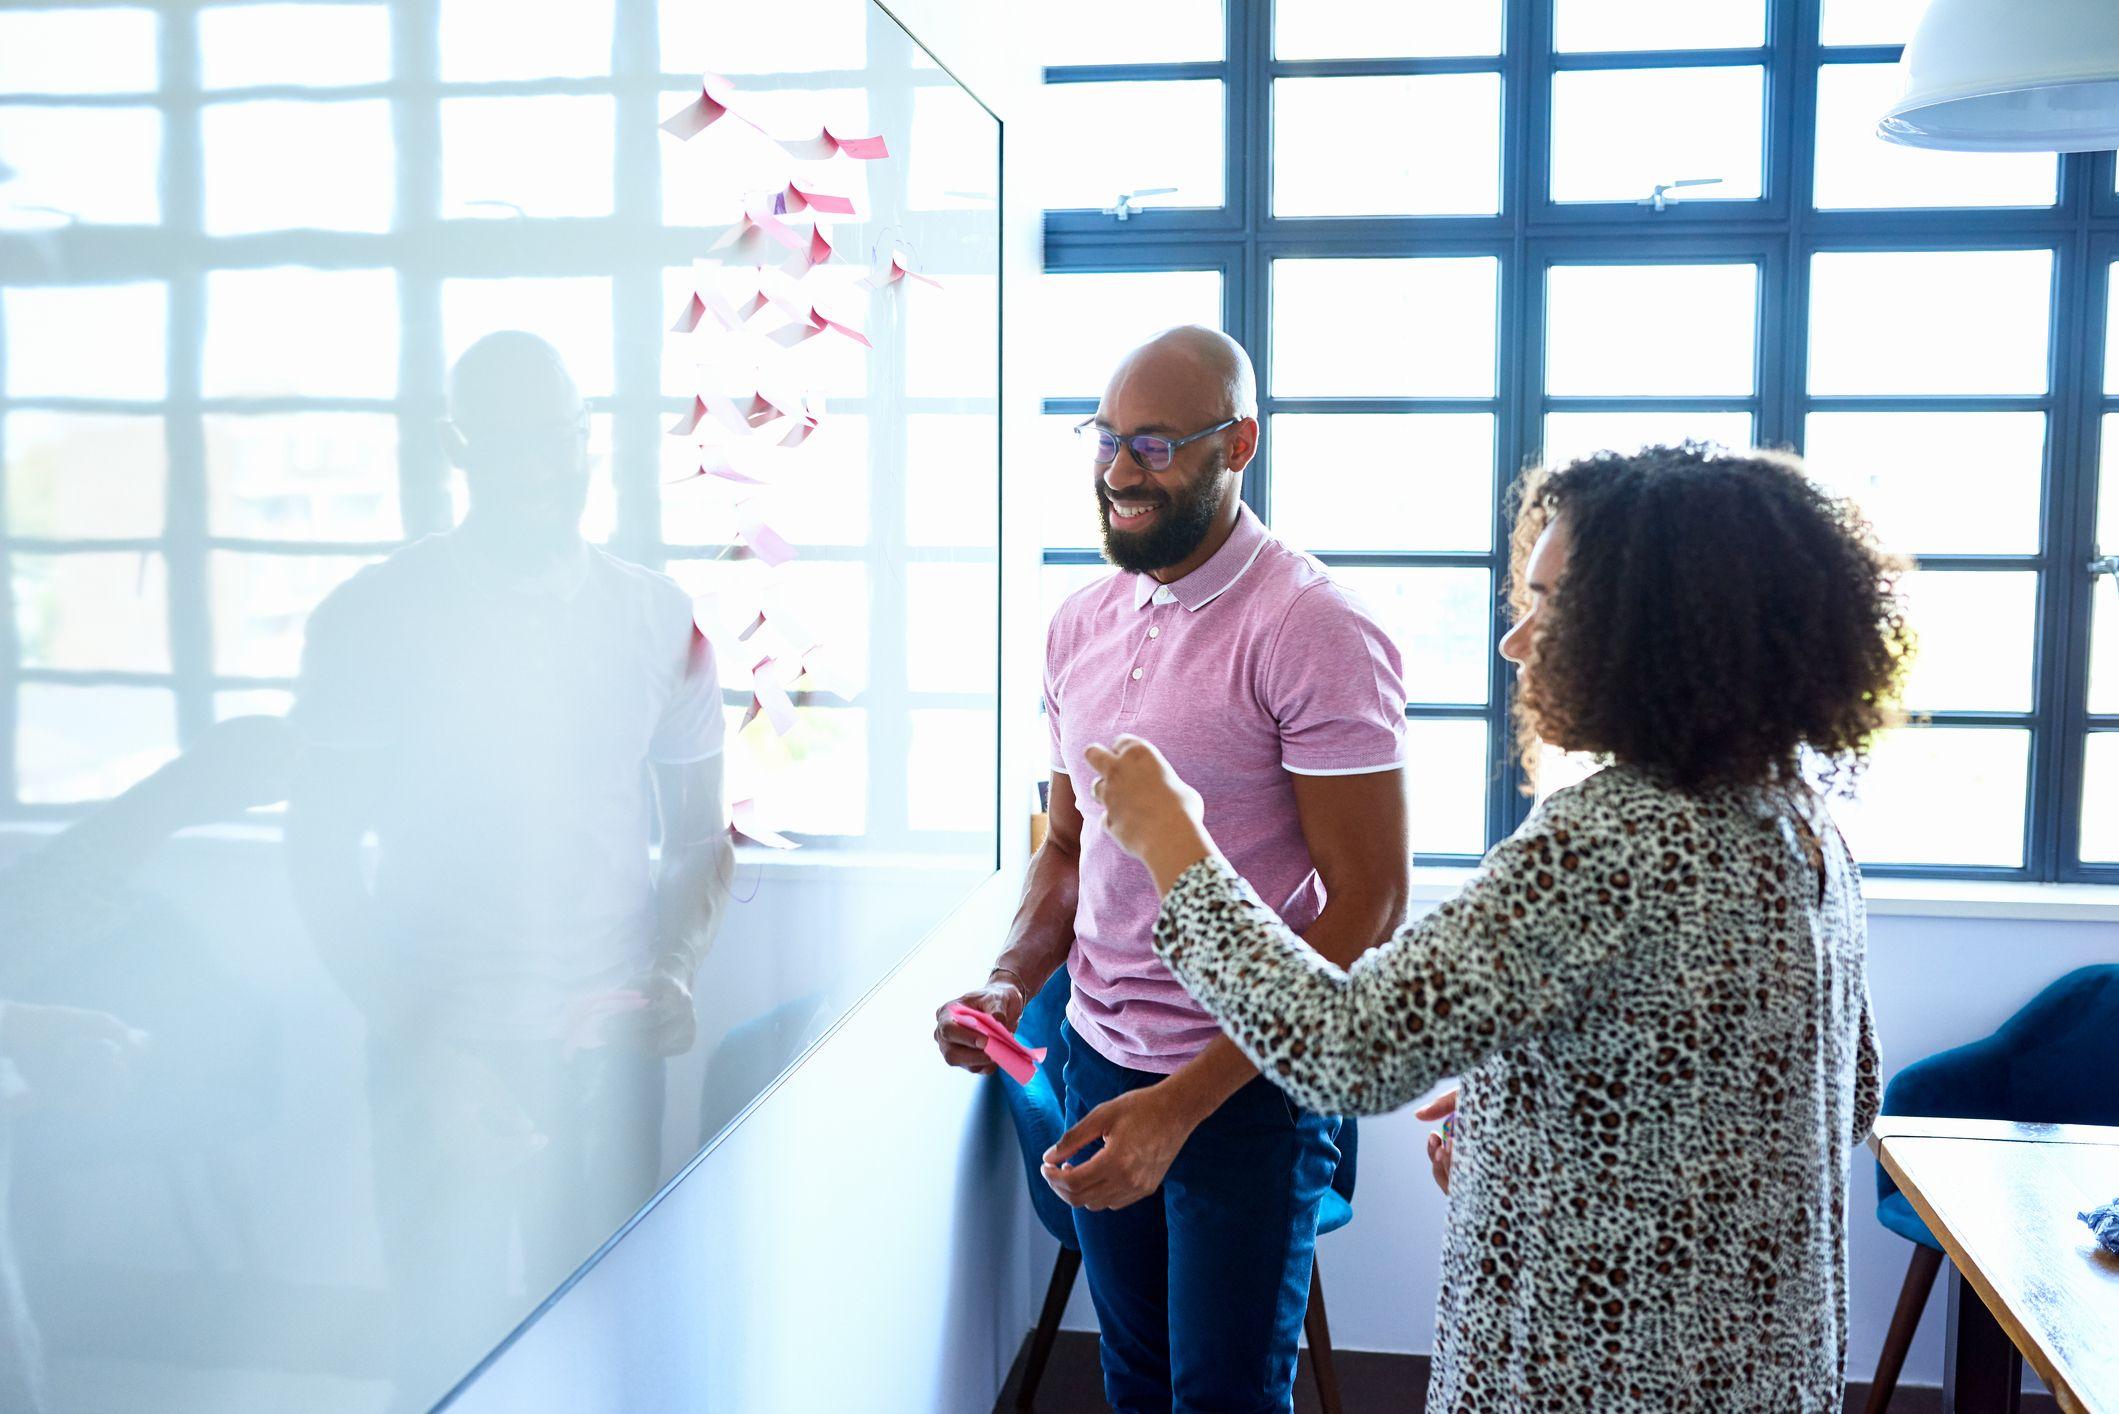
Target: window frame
x=1781, y=231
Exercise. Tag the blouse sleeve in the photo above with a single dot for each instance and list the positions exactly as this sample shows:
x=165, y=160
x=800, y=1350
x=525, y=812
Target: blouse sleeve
x=1514, y=953
x=1868, y=1075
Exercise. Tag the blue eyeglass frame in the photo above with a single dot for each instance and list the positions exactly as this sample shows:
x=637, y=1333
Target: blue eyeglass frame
x=1133, y=443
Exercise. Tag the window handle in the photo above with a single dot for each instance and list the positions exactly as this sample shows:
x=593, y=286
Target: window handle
x=2104, y=564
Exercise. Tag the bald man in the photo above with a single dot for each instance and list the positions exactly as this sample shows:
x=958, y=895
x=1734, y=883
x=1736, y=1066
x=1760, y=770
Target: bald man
x=510, y=713
x=1195, y=1182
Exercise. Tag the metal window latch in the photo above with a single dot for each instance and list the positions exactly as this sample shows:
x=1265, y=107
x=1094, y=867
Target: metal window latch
x=1661, y=200
x=2103, y=564
x=1125, y=206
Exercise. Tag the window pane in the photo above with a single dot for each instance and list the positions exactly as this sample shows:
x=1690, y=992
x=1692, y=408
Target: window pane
x=1113, y=138
x=1091, y=321
x=1650, y=330
x=951, y=635
x=1348, y=481
x=1385, y=29
x=1572, y=435
x=261, y=606
x=949, y=339
x=1871, y=21
x=1856, y=168
x=947, y=454
x=1941, y=795
x=303, y=476
x=89, y=743
x=1659, y=24
x=1439, y=618
x=98, y=166
x=1936, y=483
x=1325, y=346
x=2108, y=486
x=319, y=45
x=1878, y=326
x=1976, y=631
x=1618, y=133
x=2104, y=646
x=548, y=155
x=949, y=770
x=290, y=331
x=90, y=612
x=1446, y=776
x=2111, y=331
x=263, y=172
x=814, y=780
x=571, y=313
x=1127, y=32
x=1056, y=582
x=2100, y=800
x=78, y=49
x=484, y=40
x=1065, y=475
x=1316, y=172
x=49, y=356
x=755, y=39
x=76, y=476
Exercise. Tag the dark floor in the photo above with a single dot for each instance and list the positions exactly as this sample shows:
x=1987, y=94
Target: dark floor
x=1369, y=1383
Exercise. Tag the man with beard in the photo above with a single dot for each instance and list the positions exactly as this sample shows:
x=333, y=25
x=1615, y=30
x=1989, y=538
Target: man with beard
x=509, y=712
x=1195, y=1184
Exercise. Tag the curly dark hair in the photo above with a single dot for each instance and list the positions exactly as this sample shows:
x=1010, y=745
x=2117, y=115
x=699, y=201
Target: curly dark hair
x=1720, y=618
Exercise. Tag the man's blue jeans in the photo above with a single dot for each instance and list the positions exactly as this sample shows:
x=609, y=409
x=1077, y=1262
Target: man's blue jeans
x=1201, y=1286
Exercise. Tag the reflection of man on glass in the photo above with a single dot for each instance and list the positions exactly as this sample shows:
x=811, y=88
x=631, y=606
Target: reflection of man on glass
x=503, y=708
x=1198, y=1212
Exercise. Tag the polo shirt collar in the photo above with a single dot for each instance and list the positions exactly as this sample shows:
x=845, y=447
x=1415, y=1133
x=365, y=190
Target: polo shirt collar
x=1212, y=579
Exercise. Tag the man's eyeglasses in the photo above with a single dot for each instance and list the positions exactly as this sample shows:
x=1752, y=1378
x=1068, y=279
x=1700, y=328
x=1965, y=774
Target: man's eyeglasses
x=1153, y=453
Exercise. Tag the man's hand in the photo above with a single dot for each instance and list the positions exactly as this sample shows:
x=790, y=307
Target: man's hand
x=1142, y=1131
x=1440, y=1142
x=667, y=1025
x=960, y=1046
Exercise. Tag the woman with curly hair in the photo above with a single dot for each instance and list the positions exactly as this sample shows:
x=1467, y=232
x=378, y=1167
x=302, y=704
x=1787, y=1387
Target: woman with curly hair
x=1653, y=993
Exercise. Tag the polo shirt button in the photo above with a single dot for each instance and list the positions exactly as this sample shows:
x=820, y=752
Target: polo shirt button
x=1154, y=632
x=1136, y=675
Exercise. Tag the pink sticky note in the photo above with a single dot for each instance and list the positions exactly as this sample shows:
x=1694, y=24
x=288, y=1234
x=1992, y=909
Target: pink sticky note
x=727, y=471
x=898, y=263
x=688, y=318
x=779, y=708
x=765, y=542
x=716, y=101
x=795, y=334
x=867, y=149
x=755, y=624
x=1015, y=1059
x=826, y=321
x=799, y=433
x=747, y=823
x=760, y=214
x=820, y=200
x=688, y=422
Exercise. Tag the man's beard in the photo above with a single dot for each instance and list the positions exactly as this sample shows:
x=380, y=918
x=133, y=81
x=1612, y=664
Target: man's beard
x=1182, y=521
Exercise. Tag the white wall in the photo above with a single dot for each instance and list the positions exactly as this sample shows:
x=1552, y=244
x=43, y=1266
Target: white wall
x=1936, y=982
x=862, y=1239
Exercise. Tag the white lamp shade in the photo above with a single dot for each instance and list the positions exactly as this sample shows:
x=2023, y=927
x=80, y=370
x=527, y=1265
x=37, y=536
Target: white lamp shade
x=2010, y=76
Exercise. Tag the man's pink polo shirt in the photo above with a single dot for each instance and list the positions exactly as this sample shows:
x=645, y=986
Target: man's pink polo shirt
x=1252, y=666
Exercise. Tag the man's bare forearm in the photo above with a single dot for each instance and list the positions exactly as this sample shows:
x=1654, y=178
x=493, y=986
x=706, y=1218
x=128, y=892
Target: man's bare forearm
x=691, y=898
x=1043, y=932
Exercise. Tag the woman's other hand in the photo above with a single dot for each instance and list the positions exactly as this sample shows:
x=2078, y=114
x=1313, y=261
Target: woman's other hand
x=1154, y=815
x=1440, y=1142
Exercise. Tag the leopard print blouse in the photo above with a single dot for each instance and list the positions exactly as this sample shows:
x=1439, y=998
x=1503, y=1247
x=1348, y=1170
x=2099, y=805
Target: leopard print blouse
x=1657, y=1008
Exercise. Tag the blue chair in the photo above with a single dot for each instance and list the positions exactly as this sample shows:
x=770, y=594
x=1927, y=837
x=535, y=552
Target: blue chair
x=1039, y=1109
x=2050, y=1063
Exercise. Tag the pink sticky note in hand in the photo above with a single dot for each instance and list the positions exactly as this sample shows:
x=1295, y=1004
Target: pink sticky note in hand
x=1016, y=1060
x=747, y=824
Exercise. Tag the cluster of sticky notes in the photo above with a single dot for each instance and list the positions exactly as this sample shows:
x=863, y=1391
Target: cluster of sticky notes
x=717, y=100
x=1016, y=1060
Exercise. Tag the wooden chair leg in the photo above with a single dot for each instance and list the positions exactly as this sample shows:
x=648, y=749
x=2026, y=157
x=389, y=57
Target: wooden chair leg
x=1063, y=1274
x=1319, y=1330
x=1912, y=1299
